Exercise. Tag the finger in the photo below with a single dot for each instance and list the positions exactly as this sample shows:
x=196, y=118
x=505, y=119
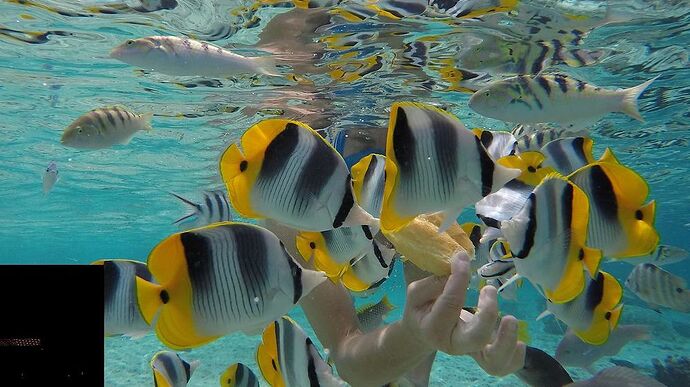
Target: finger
x=518, y=360
x=445, y=311
x=501, y=351
x=425, y=290
x=479, y=331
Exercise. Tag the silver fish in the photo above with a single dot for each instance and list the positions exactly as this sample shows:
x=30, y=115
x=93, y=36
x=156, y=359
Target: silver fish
x=105, y=127
x=213, y=208
x=662, y=255
x=50, y=177
x=573, y=352
x=169, y=369
x=658, y=287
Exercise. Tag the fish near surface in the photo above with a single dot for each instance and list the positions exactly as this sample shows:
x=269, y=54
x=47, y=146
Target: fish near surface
x=288, y=172
x=434, y=164
x=105, y=127
x=555, y=98
x=368, y=182
x=658, y=287
x=218, y=279
x=547, y=239
x=573, y=352
x=184, y=56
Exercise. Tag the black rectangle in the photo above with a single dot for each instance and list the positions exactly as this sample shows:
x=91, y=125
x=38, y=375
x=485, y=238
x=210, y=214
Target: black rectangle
x=51, y=325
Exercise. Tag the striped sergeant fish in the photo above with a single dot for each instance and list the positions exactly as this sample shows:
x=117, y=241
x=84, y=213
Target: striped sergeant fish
x=595, y=312
x=547, y=239
x=122, y=314
x=212, y=209
x=535, y=136
x=105, y=127
x=287, y=357
x=286, y=171
x=239, y=375
x=170, y=370
x=618, y=376
x=498, y=56
x=556, y=98
x=368, y=180
x=433, y=163
x=472, y=8
x=356, y=12
x=332, y=250
x=662, y=255
x=219, y=279
x=620, y=223
x=184, y=56
x=659, y=288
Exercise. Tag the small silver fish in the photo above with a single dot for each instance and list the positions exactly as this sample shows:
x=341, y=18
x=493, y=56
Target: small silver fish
x=184, y=56
x=50, y=177
x=658, y=287
x=573, y=352
x=663, y=255
x=105, y=127
x=214, y=208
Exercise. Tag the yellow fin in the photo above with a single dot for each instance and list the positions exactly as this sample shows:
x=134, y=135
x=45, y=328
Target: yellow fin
x=305, y=242
x=256, y=139
x=159, y=380
x=390, y=220
x=323, y=262
x=358, y=172
x=530, y=166
x=352, y=282
x=572, y=282
x=148, y=298
x=267, y=356
x=591, y=259
x=523, y=332
x=609, y=157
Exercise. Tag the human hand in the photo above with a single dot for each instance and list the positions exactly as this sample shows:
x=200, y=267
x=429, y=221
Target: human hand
x=433, y=314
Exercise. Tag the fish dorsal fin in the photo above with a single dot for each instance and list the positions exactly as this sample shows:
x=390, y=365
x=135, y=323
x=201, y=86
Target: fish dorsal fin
x=358, y=172
x=609, y=157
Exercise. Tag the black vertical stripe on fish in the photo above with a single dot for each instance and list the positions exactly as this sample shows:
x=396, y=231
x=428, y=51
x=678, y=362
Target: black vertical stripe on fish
x=197, y=250
x=486, y=138
x=239, y=374
x=311, y=366
x=557, y=51
x=595, y=292
x=371, y=169
x=578, y=149
x=319, y=168
x=120, y=114
x=221, y=209
x=111, y=279
x=486, y=167
x=404, y=146
x=187, y=369
x=531, y=230
x=367, y=232
x=109, y=116
x=603, y=195
x=296, y=272
x=445, y=142
x=562, y=82
x=252, y=254
x=567, y=209
x=558, y=155
x=523, y=81
x=475, y=236
x=100, y=119
x=140, y=270
x=168, y=365
x=538, y=63
x=278, y=151
x=209, y=205
x=346, y=205
x=544, y=85
x=379, y=256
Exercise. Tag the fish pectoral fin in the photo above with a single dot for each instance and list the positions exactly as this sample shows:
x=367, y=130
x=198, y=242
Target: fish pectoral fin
x=450, y=217
x=510, y=281
x=543, y=314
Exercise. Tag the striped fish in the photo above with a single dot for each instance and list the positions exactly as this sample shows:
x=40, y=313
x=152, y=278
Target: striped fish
x=368, y=181
x=184, y=56
x=496, y=55
x=547, y=239
x=500, y=263
x=621, y=224
x=659, y=288
x=288, y=357
x=556, y=98
x=535, y=136
x=122, y=314
x=170, y=370
x=214, y=208
x=332, y=250
x=662, y=255
x=472, y=8
x=566, y=155
x=220, y=279
x=370, y=270
x=104, y=127
x=286, y=171
x=509, y=200
x=593, y=314
x=433, y=163
x=371, y=315
x=239, y=375
x=498, y=144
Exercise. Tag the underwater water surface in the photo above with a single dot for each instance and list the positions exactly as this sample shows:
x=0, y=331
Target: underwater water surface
x=337, y=75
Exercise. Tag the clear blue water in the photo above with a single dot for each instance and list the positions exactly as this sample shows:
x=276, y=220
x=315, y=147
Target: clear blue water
x=114, y=203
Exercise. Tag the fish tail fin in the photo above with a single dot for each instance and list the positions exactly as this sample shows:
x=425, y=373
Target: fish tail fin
x=350, y=280
x=147, y=117
x=149, y=299
x=606, y=314
x=195, y=208
x=266, y=65
x=502, y=175
x=310, y=280
x=387, y=303
x=629, y=103
x=609, y=157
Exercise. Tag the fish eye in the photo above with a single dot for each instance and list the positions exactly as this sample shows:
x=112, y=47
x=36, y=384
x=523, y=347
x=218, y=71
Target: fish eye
x=486, y=94
x=130, y=42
